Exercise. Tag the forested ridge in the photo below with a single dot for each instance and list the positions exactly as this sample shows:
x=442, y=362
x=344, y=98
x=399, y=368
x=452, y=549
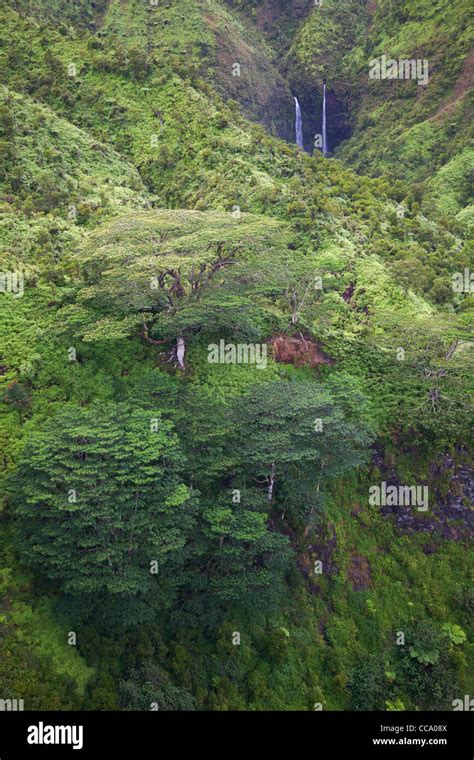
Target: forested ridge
x=219, y=352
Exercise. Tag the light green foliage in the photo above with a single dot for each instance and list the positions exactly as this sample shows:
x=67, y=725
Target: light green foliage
x=454, y=632
x=42, y=633
x=167, y=267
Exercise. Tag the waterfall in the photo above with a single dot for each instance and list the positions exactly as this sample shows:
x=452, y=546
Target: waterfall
x=299, y=126
x=325, y=137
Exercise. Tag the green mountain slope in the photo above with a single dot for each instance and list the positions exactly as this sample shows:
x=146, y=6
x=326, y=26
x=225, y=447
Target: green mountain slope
x=398, y=127
x=150, y=219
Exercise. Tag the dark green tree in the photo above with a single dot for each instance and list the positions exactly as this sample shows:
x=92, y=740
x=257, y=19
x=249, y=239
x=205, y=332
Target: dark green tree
x=369, y=687
x=100, y=504
x=149, y=688
x=298, y=434
x=244, y=561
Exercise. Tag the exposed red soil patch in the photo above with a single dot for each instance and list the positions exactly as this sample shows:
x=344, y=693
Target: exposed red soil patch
x=298, y=350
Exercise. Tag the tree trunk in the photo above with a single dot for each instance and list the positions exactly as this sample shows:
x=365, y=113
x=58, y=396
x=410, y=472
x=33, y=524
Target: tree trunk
x=180, y=350
x=271, y=482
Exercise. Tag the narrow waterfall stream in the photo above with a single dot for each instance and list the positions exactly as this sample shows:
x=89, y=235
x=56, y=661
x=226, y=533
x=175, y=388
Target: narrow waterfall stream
x=299, y=126
x=325, y=137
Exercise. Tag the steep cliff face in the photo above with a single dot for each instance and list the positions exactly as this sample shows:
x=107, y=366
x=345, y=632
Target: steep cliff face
x=316, y=54
x=419, y=133
x=279, y=20
x=245, y=70
x=399, y=124
x=300, y=37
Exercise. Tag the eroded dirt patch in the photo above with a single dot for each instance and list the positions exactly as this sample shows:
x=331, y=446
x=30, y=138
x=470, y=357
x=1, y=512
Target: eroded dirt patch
x=298, y=350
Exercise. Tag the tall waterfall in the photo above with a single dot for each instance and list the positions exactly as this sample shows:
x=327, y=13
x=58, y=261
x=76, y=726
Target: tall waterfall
x=299, y=126
x=325, y=136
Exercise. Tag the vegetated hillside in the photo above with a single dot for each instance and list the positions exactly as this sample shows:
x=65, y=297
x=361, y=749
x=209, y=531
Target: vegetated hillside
x=204, y=527
x=80, y=14
x=414, y=132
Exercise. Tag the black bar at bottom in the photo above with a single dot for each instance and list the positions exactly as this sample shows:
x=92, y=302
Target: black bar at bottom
x=155, y=734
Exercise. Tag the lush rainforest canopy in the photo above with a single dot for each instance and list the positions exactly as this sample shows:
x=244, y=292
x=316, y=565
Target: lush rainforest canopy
x=214, y=344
